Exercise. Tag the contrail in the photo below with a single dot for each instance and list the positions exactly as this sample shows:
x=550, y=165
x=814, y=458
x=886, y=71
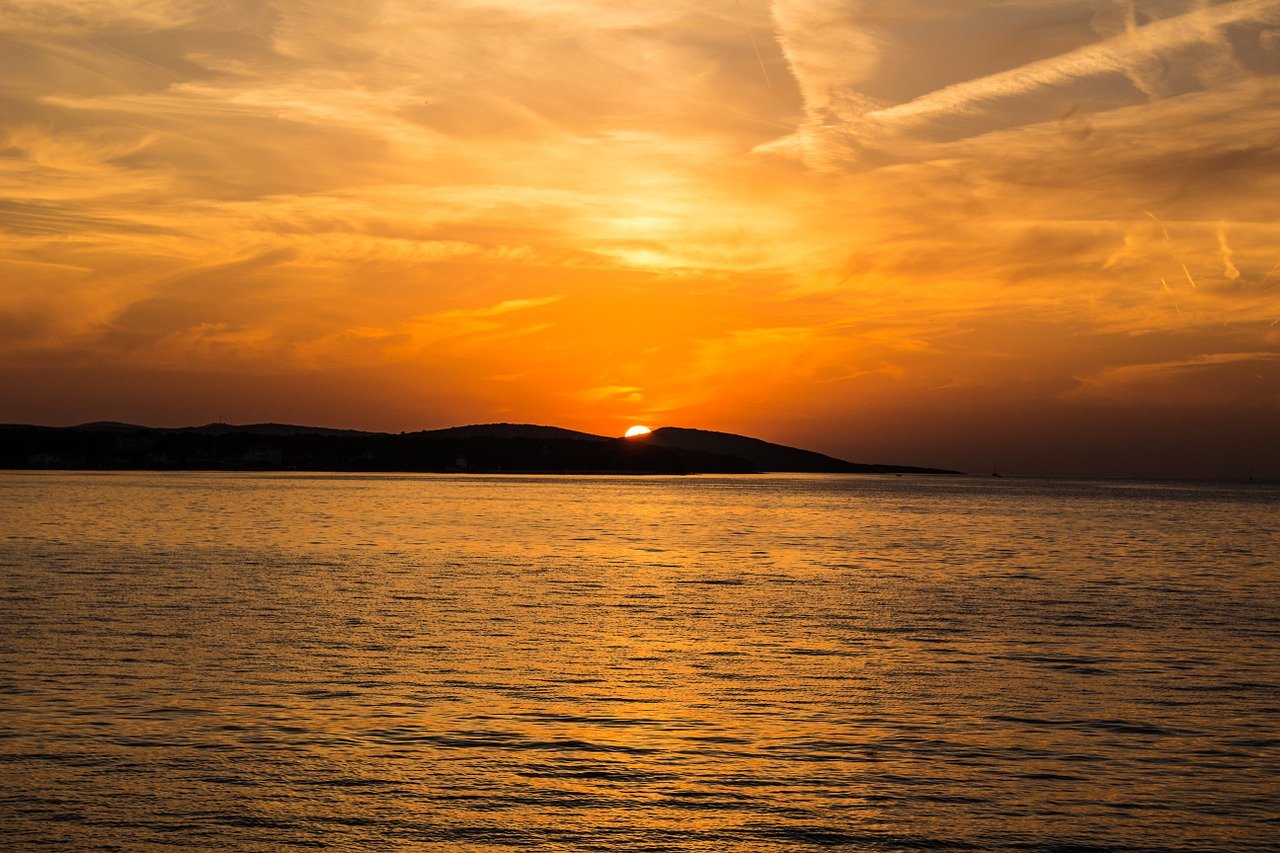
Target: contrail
x=1161, y=224
x=1153, y=41
x=765, y=71
x=1166, y=285
x=760, y=59
x=1267, y=277
x=1188, y=272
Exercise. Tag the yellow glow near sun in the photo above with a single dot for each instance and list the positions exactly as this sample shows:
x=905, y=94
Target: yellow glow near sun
x=637, y=430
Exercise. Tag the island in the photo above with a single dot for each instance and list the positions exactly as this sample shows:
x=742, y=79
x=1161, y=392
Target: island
x=480, y=448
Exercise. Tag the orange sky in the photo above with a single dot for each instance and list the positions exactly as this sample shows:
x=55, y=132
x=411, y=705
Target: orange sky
x=910, y=231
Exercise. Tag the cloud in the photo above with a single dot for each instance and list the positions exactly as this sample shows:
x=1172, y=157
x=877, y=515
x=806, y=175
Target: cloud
x=1119, y=54
x=1210, y=378
x=613, y=393
x=832, y=51
x=1002, y=198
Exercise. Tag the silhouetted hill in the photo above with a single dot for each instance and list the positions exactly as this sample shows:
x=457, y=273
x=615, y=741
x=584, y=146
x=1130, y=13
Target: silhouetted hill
x=108, y=426
x=767, y=456
x=273, y=447
x=212, y=429
x=534, y=431
x=516, y=448
x=271, y=429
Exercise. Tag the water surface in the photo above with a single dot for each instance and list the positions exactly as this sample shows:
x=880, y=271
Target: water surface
x=263, y=661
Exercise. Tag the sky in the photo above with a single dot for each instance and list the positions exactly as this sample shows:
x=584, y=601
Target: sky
x=1040, y=234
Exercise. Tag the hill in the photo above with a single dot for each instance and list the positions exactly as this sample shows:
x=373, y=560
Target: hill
x=512, y=431
x=480, y=448
x=767, y=456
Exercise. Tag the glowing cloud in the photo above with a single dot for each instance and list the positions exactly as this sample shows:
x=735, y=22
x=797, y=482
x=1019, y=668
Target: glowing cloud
x=793, y=218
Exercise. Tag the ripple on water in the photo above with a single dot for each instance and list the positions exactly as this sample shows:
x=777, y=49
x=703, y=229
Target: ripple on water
x=764, y=663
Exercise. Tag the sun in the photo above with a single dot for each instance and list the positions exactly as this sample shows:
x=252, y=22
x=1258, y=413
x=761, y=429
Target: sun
x=637, y=430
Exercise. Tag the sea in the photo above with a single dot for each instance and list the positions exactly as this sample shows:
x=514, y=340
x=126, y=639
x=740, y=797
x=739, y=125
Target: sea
x=266, y=661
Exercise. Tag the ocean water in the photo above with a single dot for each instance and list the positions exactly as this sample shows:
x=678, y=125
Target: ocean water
x=267, y=662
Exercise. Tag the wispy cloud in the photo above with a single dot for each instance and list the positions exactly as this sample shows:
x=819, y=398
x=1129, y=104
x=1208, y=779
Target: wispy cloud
x=1119, y=54
x=580, y=207
x=835, y=47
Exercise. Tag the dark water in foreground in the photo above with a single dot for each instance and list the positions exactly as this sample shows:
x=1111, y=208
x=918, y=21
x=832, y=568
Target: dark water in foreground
x=258, y=662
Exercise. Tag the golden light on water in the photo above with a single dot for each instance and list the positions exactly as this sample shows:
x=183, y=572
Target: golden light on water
x=576, y=665
x=637, y=430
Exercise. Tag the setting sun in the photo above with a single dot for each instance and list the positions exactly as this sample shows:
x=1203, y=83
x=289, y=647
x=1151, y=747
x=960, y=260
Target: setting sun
x=780, y=218
x=960, y=322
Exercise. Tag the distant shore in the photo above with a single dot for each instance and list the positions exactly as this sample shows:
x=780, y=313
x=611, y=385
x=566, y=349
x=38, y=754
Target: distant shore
x=477, y=449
